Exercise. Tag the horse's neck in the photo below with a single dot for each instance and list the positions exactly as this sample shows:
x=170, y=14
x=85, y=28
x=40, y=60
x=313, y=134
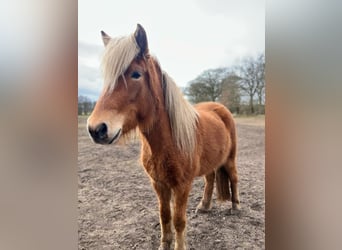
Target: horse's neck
x=159, y=136
x=158, y=130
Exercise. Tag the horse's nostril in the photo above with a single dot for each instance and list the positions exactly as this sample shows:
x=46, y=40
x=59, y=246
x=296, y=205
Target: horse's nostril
x=101, y=131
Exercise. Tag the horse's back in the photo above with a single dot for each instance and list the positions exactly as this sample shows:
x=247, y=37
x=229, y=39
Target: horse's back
x=219, y=110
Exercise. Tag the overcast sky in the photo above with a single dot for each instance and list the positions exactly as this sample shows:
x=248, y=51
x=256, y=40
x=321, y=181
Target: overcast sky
x=187, y=36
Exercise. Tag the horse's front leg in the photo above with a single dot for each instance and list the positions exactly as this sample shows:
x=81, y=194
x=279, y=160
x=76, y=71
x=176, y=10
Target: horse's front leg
x=179, y=215
x=164, y=197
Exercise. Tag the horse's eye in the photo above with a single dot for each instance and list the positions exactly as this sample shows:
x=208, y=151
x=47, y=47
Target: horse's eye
x=135, y=75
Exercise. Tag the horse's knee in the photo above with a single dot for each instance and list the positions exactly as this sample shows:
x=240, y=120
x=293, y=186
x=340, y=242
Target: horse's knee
x=165, y=215
x=179, y=224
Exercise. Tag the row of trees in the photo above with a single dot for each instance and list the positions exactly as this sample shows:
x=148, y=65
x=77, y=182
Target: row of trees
x=241, y=88
x=85, y=105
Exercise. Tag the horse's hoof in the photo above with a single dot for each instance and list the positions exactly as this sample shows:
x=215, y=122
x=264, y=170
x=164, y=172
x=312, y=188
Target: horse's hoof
x=202, y=209
x=235, y=210
x=236, y=206
x=164, y=246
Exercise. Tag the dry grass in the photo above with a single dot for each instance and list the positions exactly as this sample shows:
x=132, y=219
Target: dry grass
x=257, y=120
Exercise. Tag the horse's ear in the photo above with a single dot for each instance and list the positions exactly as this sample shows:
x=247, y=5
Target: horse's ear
x=141, y=39
x=105, y=38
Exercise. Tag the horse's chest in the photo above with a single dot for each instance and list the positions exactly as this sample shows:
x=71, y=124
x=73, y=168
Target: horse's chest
x=162, y=169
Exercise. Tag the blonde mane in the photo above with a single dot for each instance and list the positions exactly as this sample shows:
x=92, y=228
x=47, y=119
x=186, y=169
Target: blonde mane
x=118, y=55
x=183, y=116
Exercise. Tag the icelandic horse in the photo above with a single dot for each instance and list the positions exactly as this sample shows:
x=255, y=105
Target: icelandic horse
x=179, y=141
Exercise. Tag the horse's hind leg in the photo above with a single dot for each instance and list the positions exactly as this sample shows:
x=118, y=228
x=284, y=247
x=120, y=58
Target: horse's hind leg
x=164, y=197
x=205, y=203
x=233, y=178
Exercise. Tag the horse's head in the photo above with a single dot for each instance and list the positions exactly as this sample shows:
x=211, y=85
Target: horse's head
x=126, y=98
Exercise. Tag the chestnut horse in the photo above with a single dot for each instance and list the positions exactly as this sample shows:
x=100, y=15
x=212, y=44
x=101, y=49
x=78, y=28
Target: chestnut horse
x=179, y=141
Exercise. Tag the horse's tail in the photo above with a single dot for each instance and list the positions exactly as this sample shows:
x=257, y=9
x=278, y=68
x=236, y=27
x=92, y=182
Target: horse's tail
x=222, y=184
x=228, y=121
x=222, y=176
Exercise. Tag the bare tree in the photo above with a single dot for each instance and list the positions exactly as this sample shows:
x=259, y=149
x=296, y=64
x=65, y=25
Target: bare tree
x=251, y=73
x=207, y=86
x=260, y=62
x=230, y=95
x=85, y=105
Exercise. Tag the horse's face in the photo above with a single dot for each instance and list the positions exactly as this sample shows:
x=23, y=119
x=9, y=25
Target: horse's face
x=119, y=111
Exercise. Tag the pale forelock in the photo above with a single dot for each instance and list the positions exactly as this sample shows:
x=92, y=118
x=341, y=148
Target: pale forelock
x=183, y=116
x=118, y=55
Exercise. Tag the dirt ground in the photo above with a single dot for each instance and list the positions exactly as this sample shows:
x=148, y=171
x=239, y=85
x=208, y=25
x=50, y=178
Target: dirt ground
x=118, y=207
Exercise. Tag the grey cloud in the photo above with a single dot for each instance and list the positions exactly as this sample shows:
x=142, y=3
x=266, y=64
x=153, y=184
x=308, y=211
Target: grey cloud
x=239, y=8
x=87, y=49
x=89, y=73
x=89, y=77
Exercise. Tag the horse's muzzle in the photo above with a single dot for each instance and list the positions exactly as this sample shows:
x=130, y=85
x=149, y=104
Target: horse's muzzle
x=99, y=133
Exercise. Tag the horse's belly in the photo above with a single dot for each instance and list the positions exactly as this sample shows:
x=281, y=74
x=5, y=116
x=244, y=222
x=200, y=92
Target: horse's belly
x=209, y=163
